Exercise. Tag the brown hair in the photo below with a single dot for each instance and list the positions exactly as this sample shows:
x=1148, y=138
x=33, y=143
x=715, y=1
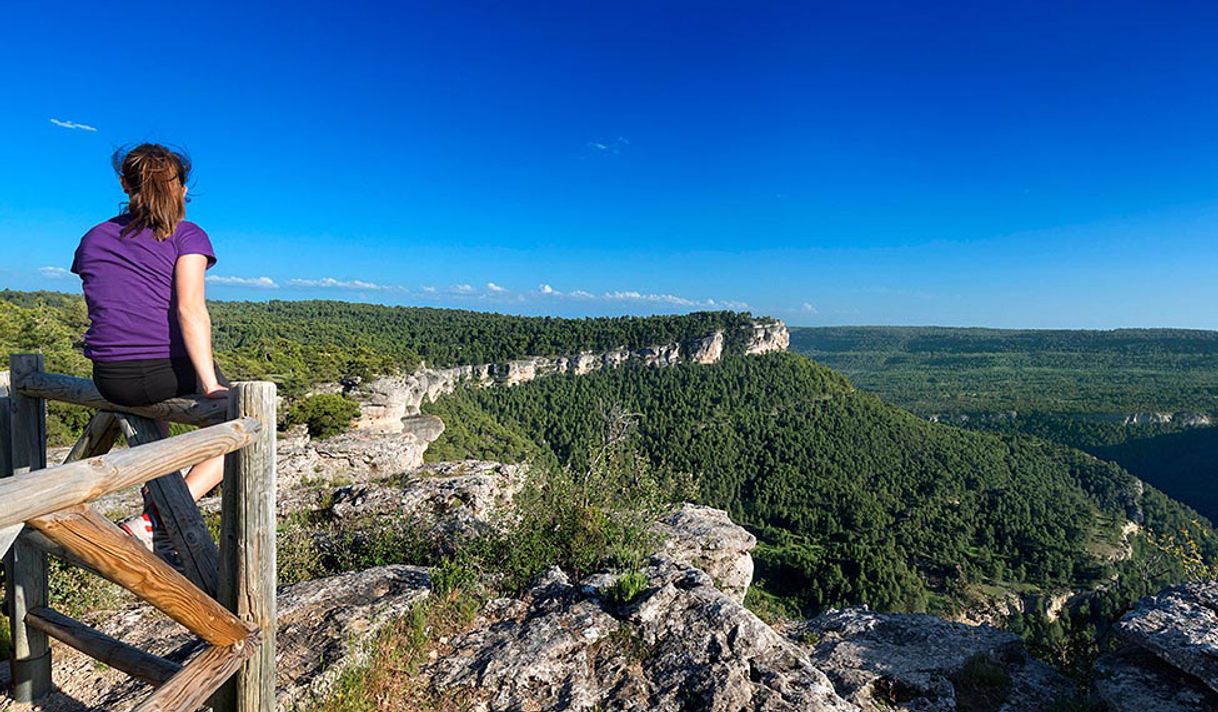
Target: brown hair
x=154, y=176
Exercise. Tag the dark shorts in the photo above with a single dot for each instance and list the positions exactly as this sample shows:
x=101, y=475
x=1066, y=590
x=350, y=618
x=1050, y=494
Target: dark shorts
x=147, y=381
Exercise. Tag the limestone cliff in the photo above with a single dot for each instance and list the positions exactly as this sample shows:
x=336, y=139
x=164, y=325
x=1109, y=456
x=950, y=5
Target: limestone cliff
x=388, y=404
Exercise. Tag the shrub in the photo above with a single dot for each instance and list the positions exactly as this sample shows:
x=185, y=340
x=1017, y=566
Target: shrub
x=325, y=414
x=626, y=588
x=591, y=519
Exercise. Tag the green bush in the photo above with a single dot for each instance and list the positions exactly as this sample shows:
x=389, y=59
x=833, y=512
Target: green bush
x=325, y=415
x=626, y=588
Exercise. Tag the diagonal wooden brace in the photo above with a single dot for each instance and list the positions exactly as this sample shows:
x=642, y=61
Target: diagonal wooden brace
x=99, y=543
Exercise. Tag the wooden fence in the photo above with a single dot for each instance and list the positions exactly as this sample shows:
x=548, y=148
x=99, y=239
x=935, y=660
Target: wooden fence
x=225, y=595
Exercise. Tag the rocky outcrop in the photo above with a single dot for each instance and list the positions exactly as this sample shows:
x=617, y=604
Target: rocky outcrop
x=705, y=538
x=681, y=645
x=445, y=501
x=324, y=627
x=385, y=402
x=768, y=336
x=1133, y=680
x=1183, y=420
x=1173, y=636
x=306, y=466
x=920, y=662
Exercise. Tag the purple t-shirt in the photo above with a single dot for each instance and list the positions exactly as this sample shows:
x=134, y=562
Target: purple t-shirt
x=128, y=284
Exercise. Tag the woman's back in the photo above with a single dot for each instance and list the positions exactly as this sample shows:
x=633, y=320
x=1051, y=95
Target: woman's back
x=128, y=286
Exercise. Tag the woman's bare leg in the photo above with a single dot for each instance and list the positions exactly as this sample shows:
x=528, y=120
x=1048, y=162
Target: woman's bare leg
x=204, y=476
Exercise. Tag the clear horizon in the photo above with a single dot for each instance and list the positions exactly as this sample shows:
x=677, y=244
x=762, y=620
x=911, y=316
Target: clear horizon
x=984, y=165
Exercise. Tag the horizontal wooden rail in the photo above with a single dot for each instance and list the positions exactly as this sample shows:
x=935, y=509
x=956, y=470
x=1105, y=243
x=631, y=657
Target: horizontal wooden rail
x=194, y=410
x=40, y=492
x=99, y=646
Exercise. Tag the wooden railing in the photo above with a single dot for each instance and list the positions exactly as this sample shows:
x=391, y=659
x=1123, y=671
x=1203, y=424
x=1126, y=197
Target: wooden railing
x=225, y=595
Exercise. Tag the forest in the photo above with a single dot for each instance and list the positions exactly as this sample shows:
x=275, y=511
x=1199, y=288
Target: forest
x=297, y=344
x=853, y=500
x=1077, y=388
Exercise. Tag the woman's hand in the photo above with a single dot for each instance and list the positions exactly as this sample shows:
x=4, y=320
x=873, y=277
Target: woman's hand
x=216, y=391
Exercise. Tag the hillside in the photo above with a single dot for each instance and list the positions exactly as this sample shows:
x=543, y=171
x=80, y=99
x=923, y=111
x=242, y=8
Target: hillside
x=938, y=370
x=299, y=344
x=854, y=500
x=1144, y=398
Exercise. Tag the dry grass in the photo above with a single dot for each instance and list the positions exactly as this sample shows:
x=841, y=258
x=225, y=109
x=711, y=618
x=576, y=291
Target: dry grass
x=394, y=679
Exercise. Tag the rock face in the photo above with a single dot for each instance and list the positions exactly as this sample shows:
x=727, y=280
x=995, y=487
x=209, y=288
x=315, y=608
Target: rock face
x=1173, y=649
x=357, y=455
x=920, y=662
x=681, y=645
x=386, y=402
x=707, y=539
x=768, y=336
x=708, y=350
x=322, y=631
x=446, y=500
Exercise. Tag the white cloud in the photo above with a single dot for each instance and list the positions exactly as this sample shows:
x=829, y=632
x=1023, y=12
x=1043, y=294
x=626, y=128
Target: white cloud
x=356, y=284
x=633, y=295
x=495, y=288
x=462, y=289
x=427, y=289
x=607, y=148
x=54, y=272
x=72, y=125
x=257, y=282
x=808, y=308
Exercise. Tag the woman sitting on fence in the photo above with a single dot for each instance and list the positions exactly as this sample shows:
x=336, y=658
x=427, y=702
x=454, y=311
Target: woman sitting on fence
x=149, y=335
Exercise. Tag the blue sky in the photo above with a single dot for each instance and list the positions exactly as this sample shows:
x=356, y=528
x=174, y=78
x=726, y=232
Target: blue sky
x=981, y=163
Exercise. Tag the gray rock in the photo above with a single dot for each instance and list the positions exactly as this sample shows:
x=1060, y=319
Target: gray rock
x=1133, y=680
x=446, y=500
x=683, y=645
x=706, y=538
x=1179, y=626
x=919, y=662
x=324, y=628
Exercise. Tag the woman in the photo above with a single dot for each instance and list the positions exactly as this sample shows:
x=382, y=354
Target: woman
x=149, y=335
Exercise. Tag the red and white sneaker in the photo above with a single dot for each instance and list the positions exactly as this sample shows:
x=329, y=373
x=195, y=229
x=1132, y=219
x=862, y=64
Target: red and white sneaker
x=139, y=528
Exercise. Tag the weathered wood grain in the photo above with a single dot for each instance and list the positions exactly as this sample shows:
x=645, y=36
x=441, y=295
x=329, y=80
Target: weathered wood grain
x=36, y=539
x=195, y=410
x=26, y=567
x=33, y=494
x=6, y=446
x=247, y=569
x=99, y=436
x=103, y=546
x=8, y=535
x=99, y=646
x=191, y=687
x=179, y=514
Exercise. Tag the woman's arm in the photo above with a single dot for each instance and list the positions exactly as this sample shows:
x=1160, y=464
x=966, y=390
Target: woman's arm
x=195, y=321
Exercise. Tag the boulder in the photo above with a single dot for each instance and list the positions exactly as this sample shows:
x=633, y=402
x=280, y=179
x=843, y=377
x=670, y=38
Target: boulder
x=706, y=538
x=919, y=662
x=1180, y=627
x=681, y=645
x=448, y=499
x=1133, y=680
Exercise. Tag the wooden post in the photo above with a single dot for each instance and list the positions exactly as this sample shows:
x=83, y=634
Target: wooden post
x=25, y=566
x=247, y=548
x=98, y=438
